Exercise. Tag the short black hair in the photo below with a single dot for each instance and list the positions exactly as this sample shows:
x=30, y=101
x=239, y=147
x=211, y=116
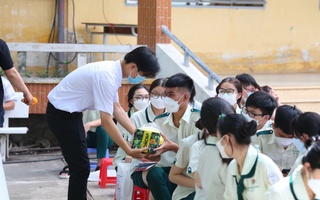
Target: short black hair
x=238, y=126
x=158, y=82
x=132, y=91
x=181, y=80
x=284, y=116
x=313, y=156
x=308, y=123
x=145, y=59
x=262, y=100
x=247, y=79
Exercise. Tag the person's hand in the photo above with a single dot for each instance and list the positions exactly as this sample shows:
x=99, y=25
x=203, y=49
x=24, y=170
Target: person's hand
x=86, y=127
x=167, y=145
x=137, y=153
x=28, y=98
x=128, y=159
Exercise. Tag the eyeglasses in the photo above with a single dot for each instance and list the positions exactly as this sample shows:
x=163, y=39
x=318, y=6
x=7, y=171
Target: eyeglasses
x=250, y=113
x=156, y=95
x=141, y=98
x=226, y=91
x=249, y=90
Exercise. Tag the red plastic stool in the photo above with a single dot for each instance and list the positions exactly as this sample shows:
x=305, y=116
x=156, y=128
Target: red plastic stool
x=140, y=193
x=104, y=179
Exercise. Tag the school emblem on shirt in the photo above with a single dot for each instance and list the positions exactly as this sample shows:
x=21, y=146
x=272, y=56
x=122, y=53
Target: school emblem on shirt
x=253, y=181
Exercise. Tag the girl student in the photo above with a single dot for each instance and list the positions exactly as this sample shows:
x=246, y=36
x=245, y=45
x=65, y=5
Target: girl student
x=306, y=127
x=138, y=99
x=250, y=173
x=230, y=89
x=205, y=162
x=180, y=173
x=304, y=183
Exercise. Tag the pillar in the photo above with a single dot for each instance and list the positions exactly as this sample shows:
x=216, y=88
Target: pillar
x=152, y=14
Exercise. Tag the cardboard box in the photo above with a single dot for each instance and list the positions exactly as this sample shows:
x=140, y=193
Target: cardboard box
x=147, y=137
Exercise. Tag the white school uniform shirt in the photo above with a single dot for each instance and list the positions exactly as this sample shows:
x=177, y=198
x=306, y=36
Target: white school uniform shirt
x=269, y=146
x=283, y=190
x=212, y=172
x=8, y=91
x=267, y=127
x=266, y=173
x=93, y=86
x=121, y=154
x=182, y=160
x=90, y=115
x=187, y=127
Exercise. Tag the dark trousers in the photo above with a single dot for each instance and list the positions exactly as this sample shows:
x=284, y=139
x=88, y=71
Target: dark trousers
x=99, y=140
x=69, y=130
x=158, y=181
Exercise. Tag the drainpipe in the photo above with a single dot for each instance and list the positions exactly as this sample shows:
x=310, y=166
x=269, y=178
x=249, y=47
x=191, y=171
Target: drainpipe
x=61, y=36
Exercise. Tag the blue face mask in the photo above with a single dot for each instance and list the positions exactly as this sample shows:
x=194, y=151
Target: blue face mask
x=135, y=80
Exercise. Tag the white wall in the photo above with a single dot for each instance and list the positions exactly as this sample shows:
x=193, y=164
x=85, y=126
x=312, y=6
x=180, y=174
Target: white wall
x=171, y=61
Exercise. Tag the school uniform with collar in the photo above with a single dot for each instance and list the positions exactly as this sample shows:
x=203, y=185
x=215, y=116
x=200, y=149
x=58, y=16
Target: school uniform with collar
x=259, y=173
x=212, y=172
x=265, y=130
x=187, y=127
x=291, y=187
x=182, y=160
x=121, y=154
x=269, y=146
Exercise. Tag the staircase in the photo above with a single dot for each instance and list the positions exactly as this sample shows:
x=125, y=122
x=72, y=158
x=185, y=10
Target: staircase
x=306, y=98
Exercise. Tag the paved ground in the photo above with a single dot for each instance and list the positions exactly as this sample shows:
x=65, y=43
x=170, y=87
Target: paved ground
x=39, y=180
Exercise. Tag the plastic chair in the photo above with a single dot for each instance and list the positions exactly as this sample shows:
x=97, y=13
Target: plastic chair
x=140, y=193
x=104, y=178
x=93, y=164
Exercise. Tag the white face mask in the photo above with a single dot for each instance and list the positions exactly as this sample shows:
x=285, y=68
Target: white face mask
x=230, y=98
x=157, y=103
x=171, y=105
x=221, y=149
x=248, y=93
x=140, y=105
x=314, y=185
x=284, y=142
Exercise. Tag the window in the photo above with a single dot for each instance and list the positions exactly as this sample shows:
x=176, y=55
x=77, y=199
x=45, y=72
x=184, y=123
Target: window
x=212, y=3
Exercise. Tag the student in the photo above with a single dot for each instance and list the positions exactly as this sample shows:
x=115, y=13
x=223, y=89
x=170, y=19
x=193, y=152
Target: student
x=94, y=86
x=250, y=174
x=304, y=183
x=230, y=89
x=176, y=124
x=138, y=99
x=307, y=129
x=279, y=145
x=8, y=98
x=249, y=86
x=205, y=163
x=259, y=107
x=268, y=89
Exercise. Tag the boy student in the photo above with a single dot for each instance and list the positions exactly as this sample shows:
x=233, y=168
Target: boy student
x=259, y=107
x=279, y=146
x=249, y=86
x=176, y=124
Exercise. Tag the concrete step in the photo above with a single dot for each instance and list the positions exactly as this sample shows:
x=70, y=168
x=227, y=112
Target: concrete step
x=306, y=98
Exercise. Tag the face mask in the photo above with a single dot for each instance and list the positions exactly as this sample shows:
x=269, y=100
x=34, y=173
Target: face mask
x=284, y=142
x=314, y=186
x=140, y=105
x=157, y=103
x=248, y=93
x=221, y=149
x=171, y=105
x=135, y=80
x=231, y=99
x=300, y=146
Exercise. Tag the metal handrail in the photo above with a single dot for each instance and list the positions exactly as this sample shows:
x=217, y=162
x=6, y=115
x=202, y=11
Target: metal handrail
x=188, y=53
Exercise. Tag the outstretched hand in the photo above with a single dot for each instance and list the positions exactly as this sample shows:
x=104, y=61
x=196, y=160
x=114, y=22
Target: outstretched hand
x=137, y=153
x=167, y=145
